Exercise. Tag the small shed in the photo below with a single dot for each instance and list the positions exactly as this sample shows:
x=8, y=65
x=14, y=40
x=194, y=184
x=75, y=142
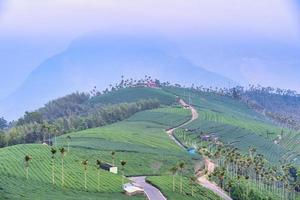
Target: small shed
x=109, y=167
x=131, y=189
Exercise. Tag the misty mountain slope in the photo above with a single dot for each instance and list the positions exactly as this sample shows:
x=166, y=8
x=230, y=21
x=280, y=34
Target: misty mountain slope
x=102, y=60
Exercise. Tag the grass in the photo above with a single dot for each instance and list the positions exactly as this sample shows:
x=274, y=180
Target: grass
x=133, y=95
x=165, y=184
x=140, y=140
x=236, y=124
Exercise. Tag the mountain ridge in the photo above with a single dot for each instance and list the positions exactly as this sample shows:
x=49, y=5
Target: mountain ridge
x=95, y=60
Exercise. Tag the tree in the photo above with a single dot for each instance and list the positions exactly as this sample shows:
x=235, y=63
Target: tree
x=98, y=163
x=193, y=181
x=174, y=171
x=27, y=159
x=113, y=154
x=68, y=139
x=63, y=153
x=53, y=152
x=123, y=163
x=181, y=167
x=3, y=123
x=85, y=165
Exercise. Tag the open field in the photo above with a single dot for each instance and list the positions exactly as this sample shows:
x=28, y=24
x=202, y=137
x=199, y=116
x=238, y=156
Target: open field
x=133, y=95
x=165, y=184
x=140, y=140
x=236, y=124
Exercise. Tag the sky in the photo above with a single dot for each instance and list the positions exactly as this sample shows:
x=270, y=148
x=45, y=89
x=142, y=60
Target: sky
x=247, y=41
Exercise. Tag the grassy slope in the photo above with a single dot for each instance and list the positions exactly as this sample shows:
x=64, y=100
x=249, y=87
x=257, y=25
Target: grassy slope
x=237, y=124
x=132, y=95
x=166, y=186
x=140, y=140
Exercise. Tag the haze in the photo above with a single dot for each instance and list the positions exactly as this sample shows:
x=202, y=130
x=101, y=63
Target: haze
x=224, y=36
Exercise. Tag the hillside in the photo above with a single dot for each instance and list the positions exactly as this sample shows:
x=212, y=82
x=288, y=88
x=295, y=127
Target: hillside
x=238, y=125
x=140, y=140
x=100, y=60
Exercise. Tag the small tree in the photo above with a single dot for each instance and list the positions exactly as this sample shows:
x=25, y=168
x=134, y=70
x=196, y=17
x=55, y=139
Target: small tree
x=174, y=171
x=85, y=165
x=68, y=139
x=98, y=163
x=181, y=167
x=63, y=153
x=53, y=152
x=113, y=154
x=123, y=163
x=193, y=181
x=27, y=159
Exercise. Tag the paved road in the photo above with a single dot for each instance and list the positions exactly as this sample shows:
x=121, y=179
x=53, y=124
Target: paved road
x=194, y=117
x=152, y=192
x=203, y=180
x=210, y=166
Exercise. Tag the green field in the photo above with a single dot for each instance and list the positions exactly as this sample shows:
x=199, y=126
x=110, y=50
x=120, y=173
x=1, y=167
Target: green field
x=132, y=95
x=140, y=140
x=236, y=124
x=165, y=184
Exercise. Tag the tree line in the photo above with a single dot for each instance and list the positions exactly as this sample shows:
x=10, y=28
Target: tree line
x=38, y=130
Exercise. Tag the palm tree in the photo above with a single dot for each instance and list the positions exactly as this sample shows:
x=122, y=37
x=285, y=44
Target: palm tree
x=98, y=163
x=63, y=153
x=174, y=171
x=85, y=165
x=45, y=130
x=68, y=139
x=27, y=159
x=193, y=180
x=123, y=163
x=181, y=167
x=113, y=154
x=53, y=152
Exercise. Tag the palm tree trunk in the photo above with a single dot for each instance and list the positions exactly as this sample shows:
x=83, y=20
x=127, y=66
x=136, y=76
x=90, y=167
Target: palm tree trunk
x=85, y=179
x=122, y=178
x=27, y=171
x=192, y=191
x=181, y=184
x=53, y=178
x=62, y=172
x=173, y=183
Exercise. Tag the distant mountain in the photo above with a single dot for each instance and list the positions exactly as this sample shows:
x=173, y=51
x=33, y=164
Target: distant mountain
x=96, y=60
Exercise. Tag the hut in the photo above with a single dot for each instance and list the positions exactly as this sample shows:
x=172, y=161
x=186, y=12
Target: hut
x=109, y=167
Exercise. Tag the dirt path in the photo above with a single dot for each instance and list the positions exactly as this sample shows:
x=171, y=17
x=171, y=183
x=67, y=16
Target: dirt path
x=209, y=165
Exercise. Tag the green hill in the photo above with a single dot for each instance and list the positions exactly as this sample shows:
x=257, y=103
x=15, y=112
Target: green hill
x=129, y=95
x=140, y=140
x=238, y=125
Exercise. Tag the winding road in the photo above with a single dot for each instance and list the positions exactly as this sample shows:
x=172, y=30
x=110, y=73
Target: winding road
x=151, y=192
x=209, y=165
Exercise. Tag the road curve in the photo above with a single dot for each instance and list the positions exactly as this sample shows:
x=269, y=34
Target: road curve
x=194, y=117
x=202, y=180
x=152, y=192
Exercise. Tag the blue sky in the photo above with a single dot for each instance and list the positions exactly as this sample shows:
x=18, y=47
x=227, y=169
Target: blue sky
x=248, y=41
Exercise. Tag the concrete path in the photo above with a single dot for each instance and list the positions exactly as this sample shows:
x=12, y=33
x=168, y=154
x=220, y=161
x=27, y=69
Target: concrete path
x=152, y=192
x=203, y=180
x=210, y=166
x=194, y=117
